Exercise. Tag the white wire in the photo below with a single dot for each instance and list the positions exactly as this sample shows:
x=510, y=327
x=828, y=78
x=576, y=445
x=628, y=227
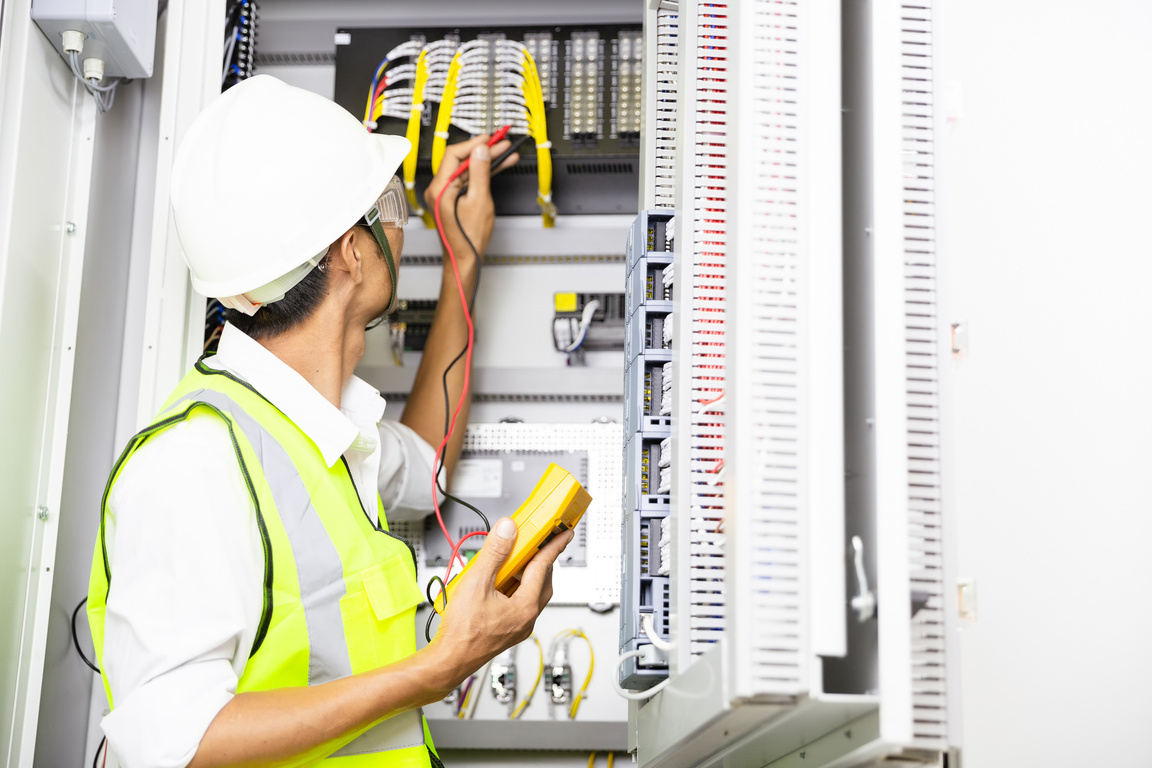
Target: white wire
x=410, y=48
x=634, y=695
x=648, y=624
x=585, y=321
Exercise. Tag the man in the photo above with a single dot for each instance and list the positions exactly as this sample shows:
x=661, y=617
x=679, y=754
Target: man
x=247, y=603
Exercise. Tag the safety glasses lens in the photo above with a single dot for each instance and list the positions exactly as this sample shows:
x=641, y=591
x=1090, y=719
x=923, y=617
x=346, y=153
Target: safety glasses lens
x=392, y=207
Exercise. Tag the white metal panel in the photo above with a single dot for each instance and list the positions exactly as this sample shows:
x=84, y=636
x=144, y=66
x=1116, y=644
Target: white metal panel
x=47, y=125
x=768, y=491
x=890, y=372
x=785, y=361
x=173, y=315
x=925, y=514
x=822, y=226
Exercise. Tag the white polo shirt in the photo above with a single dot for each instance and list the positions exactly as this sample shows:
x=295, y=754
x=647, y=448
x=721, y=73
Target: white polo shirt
x=186, y=554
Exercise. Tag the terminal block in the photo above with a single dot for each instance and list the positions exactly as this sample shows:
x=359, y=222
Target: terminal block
x=647, y=398
x=647, y=282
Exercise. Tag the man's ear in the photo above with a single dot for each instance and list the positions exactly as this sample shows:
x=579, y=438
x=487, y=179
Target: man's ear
x=350, y=251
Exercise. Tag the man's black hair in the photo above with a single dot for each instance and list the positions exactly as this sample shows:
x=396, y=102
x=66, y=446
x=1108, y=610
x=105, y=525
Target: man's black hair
x=292, y=310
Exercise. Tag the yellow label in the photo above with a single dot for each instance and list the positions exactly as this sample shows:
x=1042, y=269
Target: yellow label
x=565, y=302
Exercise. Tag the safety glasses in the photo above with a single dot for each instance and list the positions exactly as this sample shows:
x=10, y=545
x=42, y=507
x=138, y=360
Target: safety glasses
x=390, y=209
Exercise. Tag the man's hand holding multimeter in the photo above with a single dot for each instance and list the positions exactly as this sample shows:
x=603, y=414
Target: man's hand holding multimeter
x=480, y=620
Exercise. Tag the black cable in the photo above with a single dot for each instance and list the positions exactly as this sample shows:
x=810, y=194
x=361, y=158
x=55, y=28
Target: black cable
x=76, y=639
x=515, y=145
x=451, y=365
x=96, y=757
x=432, y=604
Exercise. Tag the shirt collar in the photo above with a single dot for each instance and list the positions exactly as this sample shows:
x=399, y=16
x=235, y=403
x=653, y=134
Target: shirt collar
x=332, y=429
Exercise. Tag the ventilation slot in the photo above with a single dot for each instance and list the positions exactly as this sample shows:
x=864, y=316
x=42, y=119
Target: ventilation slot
x=599, y=168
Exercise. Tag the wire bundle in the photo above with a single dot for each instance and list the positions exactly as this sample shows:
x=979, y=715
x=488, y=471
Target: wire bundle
x=538, y=129
x=490, y=83
x=239, y=42
x=475, y=99
x=430, y=79
x=386, y=100
x=104, y=95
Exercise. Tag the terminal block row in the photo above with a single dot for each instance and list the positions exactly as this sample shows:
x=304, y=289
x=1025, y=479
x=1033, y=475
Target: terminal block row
x=647, y=438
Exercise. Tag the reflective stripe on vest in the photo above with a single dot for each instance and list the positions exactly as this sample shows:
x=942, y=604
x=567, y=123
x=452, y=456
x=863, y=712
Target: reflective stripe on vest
x=317, y=562
x=320, y=572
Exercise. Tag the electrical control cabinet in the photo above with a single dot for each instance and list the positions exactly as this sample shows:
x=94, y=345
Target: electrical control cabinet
x=804, y=630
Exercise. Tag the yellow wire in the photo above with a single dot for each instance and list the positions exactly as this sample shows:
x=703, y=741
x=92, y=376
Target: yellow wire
x=538, y=128
x=591, y=759
x=591, y=665
x=444, y=114
x=611, y=759
x=414, y=137
x=539, y=675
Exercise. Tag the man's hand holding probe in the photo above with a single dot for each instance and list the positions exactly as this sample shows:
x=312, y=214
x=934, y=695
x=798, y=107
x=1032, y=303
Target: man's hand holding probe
x=481, y=622
x=290, y=726
x=425, y=411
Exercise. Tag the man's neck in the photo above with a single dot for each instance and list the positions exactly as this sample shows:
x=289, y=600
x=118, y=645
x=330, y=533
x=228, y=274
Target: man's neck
x=324, y=350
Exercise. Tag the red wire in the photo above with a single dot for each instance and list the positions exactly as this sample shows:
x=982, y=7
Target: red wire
x=448, y=571
x=709, y=402
x=468, y=357
x=467, y=363
x=376, y=96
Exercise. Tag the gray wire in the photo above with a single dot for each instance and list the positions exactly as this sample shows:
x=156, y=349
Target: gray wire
x=103, y=95
x=228, y=51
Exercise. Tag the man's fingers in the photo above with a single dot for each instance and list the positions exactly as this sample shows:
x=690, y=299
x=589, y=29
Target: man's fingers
x=532, y=580
x=458, y=152
x=497, y=547
x=479, y=169
x=455, y=154
x=509, y=161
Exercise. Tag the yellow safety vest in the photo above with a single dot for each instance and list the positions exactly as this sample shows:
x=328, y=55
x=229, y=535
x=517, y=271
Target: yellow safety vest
x=340, y=593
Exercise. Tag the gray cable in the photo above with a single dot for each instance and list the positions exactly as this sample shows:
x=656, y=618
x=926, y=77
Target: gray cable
x=103, y=95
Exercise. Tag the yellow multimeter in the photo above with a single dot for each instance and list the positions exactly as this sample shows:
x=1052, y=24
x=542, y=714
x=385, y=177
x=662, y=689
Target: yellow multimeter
x=556, y=504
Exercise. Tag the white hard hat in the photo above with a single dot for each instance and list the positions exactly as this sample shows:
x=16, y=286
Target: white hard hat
x=265, y=179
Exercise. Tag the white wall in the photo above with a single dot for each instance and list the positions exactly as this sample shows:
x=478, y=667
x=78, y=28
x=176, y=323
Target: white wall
x=1045, y=194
